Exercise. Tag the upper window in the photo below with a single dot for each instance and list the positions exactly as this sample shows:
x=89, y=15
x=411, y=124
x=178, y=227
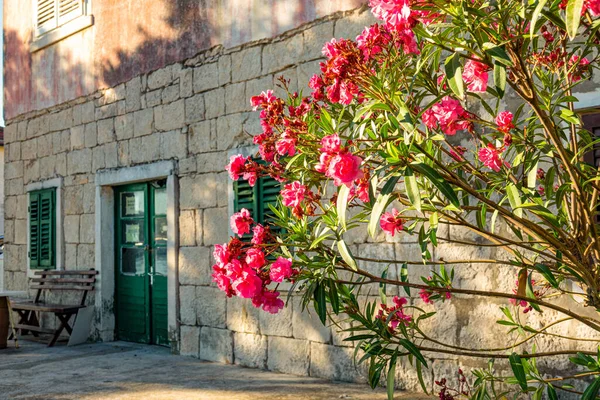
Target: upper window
x=56, y=19
x=42, y=229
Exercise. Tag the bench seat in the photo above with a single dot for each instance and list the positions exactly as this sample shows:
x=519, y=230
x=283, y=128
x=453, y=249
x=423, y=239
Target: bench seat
x=31, y=306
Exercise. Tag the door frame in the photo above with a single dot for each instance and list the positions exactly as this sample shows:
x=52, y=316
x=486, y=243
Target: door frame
x=104, y=326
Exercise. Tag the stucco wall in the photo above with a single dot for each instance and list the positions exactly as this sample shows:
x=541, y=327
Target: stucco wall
x=132, y=37
x=196, y=112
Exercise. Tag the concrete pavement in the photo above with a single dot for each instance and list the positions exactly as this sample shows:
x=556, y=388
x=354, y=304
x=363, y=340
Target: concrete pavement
x=130, y=371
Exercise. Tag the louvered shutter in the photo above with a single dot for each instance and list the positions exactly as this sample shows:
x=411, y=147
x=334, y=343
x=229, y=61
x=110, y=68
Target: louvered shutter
x=268, y=190
x=47, y=221
x=245, y=197
x=68, y=10
x=34, y=230
x=46, y=16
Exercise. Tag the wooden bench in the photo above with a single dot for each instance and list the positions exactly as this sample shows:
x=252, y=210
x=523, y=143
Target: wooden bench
x=75, y=281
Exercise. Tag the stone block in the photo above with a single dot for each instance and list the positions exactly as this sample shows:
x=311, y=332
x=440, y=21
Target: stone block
x=214, y=103
x=160, y=78
x=354, y=24
x=142, y=122
x=224, y=68
x=307, y=325
x=15, y=186
x=245, y=64
x=214, y=228
x=223, y=182
x=13, y=151
x=190, y=341
x=230, y=132
x=31, y=172
x=206, y=77
x=186, y=82
x=169, y=116
x=123, y=153
x=85, y=256
x=13, y=170
x=87, y=226
x=152, y=99
x=22, y=130
x=133, y=94
x=44, y=145
x=280, y=55
x=73, y=200
x=334, y=363
x=194, y=109
x=173, y=145
x=77, y=137
x=315, y=38
x=187, y=228
x=71, y=228
x=85, y=112
x=9, y=230
x=61, y=164
x=187, y=165
x=91, y=135
x=187, y=304
x=20, y=231
x=216, y=345
x=235, y=98
x=107, y=111
x=111, y=156
x=289, y=356
x=379, y=251
x=29, y=149
x=144, y=149
x=70, y=254
x=242, y=316
x=212, y=162
x=211, y=306
x=47, y=165
x=170, y=93
x=124, y=127
x=89, y=198
x=306, y=71
x=199, y=191
x=79, y=161
x=11, y=132
x=97, y=158
x=250, y=350
x=279, y=324
x=202, y=137
x=194, y=266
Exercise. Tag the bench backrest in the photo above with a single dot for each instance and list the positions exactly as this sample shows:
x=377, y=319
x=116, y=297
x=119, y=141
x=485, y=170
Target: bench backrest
x=82, y=281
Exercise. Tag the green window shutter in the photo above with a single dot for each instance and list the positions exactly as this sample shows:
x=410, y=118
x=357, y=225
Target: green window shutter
x=268, y=190
x=34, y=230
x=42, y=216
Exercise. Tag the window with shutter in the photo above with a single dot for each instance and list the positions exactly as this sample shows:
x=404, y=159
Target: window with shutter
x=256, y=199
x=56, y=19
x=42, y=229
x=46, y=16
x=68, y=10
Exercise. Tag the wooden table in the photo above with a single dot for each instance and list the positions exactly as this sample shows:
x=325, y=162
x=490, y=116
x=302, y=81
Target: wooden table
x=5, y=314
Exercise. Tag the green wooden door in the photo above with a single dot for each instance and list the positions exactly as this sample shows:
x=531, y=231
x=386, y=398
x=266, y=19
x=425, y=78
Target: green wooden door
x=141, y=260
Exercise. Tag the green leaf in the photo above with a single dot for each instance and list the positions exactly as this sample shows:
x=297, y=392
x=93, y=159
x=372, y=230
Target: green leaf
x=497, y=53
x=421, y=380
x=320, y=303
x=500, y=78
x=551, y=392
x=518, y=371
x=532, y=176
x=412, y=349
x=334, y=297
x=342, y=203
x=391, y=376
x=378, y=208
x=514, y=199
x=454, y=75
x=346, y=256
x=412, y=189
x=438, y=182
x=591, y=391
x=535, y=16
x=573, y=17
x=545, y=271
x=530, y=293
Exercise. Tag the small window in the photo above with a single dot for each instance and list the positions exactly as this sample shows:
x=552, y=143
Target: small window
x=257, y=199
x=42, y=229
x=56, y=19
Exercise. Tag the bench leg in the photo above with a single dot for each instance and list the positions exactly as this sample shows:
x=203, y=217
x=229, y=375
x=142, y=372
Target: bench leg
x=64, y=324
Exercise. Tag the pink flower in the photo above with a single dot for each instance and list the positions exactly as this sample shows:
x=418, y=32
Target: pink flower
x=255, y=258
x=233, y=269
x=504, y=121
x=424, y=294
x=490, y=157
x=593, y=7
x=391, y=222
x=348, y=90
x=371, y=41
x=271, y=302
x=324, y=161
x=330, y=50
x=258, y=234
x=240, y=222
x=330, y=144
x=362, y=191
x=450, y=115
x=475, y=76
x=429, y=119
x=219, y=277
x=317, y=85
x=293, y=194
x=286, y=146
x=344, y=168
x=262, y=99
x=395, y=13
x=281, y=269
x=221, y=254
x=236, y=166
x=248, y=284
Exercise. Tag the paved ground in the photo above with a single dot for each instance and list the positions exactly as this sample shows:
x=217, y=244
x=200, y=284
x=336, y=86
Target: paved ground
x=122, y=370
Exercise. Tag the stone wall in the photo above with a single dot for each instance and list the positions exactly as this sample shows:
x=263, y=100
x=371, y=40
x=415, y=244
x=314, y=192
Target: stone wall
x=196, y=112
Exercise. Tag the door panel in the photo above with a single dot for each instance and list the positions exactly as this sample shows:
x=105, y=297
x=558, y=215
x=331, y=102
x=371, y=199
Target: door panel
x=141, y=243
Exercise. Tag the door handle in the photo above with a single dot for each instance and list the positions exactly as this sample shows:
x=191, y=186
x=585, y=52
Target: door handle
x=151, y=279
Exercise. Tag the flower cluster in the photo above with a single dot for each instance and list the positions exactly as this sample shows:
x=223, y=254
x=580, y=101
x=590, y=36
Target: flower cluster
x=394, y=315
x=241, y=269
x=475, y=75
x=338, y=163
x=448, y=115
x=391, y=222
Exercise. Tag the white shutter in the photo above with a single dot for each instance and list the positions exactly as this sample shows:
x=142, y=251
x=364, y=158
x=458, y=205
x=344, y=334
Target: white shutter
x=46, y=16
x=68, y=10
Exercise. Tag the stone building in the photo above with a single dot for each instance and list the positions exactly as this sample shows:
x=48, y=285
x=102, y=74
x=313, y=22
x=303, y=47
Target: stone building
x=121, y=117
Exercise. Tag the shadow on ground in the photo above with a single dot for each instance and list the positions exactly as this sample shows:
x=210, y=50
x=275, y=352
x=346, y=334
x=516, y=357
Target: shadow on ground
x=122, y=370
